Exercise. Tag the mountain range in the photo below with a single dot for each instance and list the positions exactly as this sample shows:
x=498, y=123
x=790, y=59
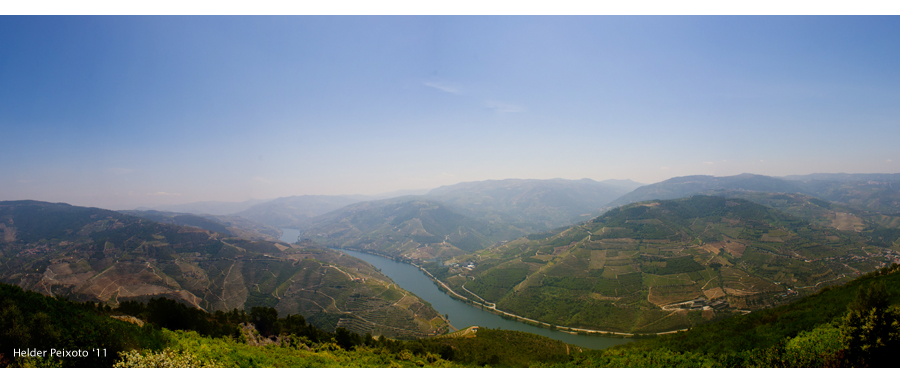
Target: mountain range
x=871, y=192
x=104, y=256
x=530, y=245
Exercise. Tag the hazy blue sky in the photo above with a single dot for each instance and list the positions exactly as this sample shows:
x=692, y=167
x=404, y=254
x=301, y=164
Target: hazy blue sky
x=125, y=111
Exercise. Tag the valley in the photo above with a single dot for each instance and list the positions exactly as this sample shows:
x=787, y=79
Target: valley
x=103, y=256
x=649, y=268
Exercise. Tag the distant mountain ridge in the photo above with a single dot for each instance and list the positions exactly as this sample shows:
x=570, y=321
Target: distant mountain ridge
x=406, y=226
x=462, y=218
x=874, y=192
x=297, y=211
x=208, y=207
x=679, y=187
x=231, y=225
x=533, y=205
x=544, y=203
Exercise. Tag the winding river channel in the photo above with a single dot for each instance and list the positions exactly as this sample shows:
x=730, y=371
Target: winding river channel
x=460, y=314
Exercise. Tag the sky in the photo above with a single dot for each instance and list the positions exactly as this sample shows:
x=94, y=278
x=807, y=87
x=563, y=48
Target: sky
x=120, y=112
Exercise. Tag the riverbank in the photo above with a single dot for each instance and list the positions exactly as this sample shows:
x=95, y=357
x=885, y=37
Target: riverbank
x=492, y=307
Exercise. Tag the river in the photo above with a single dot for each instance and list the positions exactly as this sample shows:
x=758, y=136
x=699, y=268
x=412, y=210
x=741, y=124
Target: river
x=462, y=315
x=289, y=235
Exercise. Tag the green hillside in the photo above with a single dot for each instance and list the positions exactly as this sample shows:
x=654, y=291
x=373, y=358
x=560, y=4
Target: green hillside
x=882, y=230
x=854, y=325
x=637, y=269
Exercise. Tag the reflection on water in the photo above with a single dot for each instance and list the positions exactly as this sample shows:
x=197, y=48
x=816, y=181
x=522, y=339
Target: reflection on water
x=462, y=315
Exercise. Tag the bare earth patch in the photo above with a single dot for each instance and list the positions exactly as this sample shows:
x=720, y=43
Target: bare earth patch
x=9, y=233
x=714, y=293
x=731, y=291
x=661, y=296
x=602, y=298
x=732, y=247
x=847, y=221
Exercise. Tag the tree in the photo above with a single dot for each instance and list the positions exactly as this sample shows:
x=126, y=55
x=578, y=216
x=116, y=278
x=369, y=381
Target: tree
x=870, y=332
x=346, y=339
x=266, y=320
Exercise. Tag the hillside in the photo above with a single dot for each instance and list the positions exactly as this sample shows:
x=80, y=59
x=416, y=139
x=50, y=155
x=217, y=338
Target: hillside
x=100, y=255
x=680, y=187
x=533, y=205
x=164, y=333
x=462, y=218
x=638, y=268
x=406, y=227
x=877, y=193
x=881, y=229
x=873, y=193
x=208, y=207
x=296, y=211
x=853, y=325
x=228, y=225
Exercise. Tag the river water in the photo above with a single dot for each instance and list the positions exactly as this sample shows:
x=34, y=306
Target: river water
x=462, y=315
x=289, y=235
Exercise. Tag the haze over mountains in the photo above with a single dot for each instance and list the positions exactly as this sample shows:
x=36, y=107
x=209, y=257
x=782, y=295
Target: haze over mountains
x=878, y=192
x=547, y=203
x=529, y=242
x=498, y=210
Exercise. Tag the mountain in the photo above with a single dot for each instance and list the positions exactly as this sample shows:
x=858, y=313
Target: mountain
x=461, y=218
x=100, y=255
x=533, y=205
x=228, y=225
x=877, y=193
x=407, y=227
x=208, y=207
x=297, y=211
x=680, y=187
x=637, y=267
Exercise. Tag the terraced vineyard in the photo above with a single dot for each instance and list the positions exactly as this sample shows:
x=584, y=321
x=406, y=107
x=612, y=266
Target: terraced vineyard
x=100, y=255
x=641, y=267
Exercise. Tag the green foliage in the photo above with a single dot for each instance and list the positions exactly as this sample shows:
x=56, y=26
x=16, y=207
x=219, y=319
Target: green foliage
x=823, y=339
x=164, y=312
x=31, y=320
x=494, y=283
x=644, y=358
x=568, y=283
x=226, y=352
x=672, y=266
x=496, y=348
x=846, y=326
x=166, y=358
x=870, y=332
